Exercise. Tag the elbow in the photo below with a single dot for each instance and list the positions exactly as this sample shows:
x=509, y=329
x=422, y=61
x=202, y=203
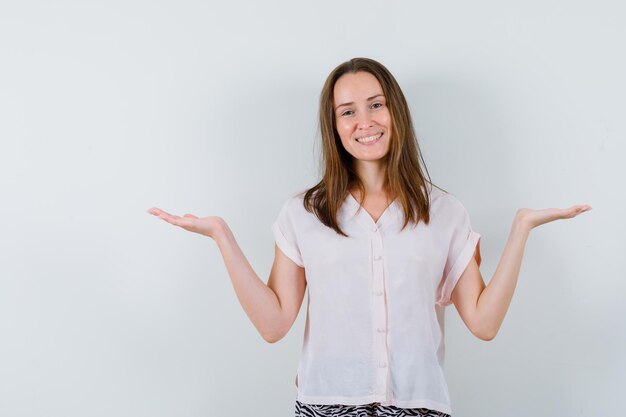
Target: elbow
x=272, y=337
x=485, y=335
x=276, y=332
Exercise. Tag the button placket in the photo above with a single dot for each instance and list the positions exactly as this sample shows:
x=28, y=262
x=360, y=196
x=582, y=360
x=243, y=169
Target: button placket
x=380, y=311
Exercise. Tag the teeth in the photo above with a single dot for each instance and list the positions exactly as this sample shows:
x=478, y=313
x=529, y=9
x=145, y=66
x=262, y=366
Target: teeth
x=369, y=138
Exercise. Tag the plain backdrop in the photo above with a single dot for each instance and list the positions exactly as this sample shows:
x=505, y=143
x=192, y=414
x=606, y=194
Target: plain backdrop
x=109, y=108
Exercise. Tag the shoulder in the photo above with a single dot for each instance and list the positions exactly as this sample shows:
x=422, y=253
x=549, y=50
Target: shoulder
x=296, y=198
x=445, y=204
x=294, y=204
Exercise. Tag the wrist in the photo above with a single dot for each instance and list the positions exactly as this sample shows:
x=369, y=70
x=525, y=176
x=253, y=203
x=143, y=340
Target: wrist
x=521, y=223
x=221, y=231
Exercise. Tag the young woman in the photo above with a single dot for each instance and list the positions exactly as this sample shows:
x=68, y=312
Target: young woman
x=382, y=252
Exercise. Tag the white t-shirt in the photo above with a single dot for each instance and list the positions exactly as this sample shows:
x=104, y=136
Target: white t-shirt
x=375, y=315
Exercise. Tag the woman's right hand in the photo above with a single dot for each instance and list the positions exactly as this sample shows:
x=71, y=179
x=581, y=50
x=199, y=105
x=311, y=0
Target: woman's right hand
x=207, y=226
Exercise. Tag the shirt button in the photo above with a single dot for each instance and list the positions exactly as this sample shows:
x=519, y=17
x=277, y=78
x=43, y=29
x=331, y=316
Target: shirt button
x=378, y=293
x=381, y=329
x=377, y=257
x=374, y=229
x=382, y=364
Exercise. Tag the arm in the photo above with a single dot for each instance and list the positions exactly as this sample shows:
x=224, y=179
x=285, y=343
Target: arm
x=272, y=308
x=483, y=308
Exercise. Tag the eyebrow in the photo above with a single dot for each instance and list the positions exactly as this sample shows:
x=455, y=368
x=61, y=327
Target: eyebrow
x=350, y=103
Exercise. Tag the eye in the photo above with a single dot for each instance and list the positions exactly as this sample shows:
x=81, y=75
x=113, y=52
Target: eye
x=377, y=105
x=345, y=113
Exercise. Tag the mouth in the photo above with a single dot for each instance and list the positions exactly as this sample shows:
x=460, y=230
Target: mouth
x=369, y=140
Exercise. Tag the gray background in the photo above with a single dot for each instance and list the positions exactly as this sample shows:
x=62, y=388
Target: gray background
x=109, y=108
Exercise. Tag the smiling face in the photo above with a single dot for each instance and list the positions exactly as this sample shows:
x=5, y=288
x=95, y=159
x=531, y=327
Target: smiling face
x=362, y=117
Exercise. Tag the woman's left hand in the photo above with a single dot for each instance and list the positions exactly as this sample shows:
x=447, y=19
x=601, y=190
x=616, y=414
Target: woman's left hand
x=534, y=218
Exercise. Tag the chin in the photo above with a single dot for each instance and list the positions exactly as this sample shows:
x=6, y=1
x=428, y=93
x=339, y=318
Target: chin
x=370, y=158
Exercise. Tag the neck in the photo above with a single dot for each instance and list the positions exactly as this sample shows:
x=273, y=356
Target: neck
x=372, y=174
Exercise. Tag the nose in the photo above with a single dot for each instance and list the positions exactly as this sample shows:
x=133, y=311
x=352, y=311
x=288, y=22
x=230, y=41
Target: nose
x=365, y=120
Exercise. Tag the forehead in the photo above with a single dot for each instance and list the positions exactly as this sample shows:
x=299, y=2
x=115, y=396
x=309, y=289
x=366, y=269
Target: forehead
x=355, y=87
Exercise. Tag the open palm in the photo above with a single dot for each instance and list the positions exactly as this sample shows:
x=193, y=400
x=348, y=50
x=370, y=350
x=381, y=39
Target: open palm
x=203, y=225
x=534, y=218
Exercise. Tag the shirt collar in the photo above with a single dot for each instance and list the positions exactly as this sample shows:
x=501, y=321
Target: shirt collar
x=350, y=210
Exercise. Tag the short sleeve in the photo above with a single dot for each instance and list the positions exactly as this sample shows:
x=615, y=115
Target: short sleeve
x=464, y=243
x=285, y=235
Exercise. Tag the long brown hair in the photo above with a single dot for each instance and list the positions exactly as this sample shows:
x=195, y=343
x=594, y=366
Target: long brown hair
x=404, y=177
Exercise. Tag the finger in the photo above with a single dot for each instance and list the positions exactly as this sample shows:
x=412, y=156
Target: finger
x=170, y=218
x=186, y=223
x=191, y=216
x=155, y=211
x=575, y=211
x=158, y=212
